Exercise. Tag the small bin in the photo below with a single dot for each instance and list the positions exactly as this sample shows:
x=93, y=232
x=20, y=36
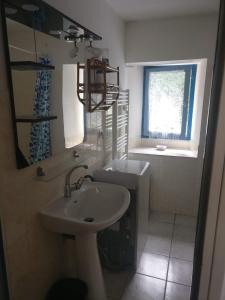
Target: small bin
x=68, y=289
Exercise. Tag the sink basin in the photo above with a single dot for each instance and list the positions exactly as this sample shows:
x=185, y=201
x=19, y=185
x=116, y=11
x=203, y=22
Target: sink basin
x=94, y=207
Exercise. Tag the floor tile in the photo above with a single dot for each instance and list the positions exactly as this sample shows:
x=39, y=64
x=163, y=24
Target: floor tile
x=180, y=271
x=160, y=229
x=158, y=245
x=183, y=233
x=153, y=265
x=177, y=292
x=145, y=288
x=185, y=221
x=182, y=250
x=116, y=283
x=162, y=217
x=159, y=240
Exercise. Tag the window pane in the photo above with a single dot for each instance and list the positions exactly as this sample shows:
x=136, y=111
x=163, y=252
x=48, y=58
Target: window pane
x=166, y=97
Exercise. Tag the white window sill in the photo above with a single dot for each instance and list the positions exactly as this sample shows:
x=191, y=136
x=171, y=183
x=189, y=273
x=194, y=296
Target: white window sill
x=167, y=152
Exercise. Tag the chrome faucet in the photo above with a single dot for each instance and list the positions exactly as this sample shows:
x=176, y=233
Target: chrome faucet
x=68, y=188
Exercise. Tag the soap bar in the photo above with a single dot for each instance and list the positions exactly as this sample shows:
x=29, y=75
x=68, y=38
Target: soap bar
x=161, y=147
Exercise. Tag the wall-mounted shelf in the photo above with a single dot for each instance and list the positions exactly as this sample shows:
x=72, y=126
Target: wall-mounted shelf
x=97, y=94
x=34, y=119
x=30, y=66
x=100, y=65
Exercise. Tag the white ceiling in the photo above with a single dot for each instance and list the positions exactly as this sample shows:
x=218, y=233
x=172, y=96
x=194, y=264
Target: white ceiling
x=131, y=10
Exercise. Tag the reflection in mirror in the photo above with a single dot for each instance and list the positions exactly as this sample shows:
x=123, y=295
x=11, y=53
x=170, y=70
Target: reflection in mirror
x=73, y=127
x=38, y=93
x=43, y=54
x=41, y=121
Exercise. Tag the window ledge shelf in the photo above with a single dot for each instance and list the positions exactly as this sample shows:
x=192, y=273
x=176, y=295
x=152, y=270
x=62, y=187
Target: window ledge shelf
x=167, y=152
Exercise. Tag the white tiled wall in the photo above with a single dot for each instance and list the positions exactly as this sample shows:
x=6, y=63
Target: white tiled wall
x=175, y=183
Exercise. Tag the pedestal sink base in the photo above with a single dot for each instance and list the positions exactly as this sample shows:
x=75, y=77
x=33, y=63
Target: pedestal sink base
x=92, y=208
x=89, y=268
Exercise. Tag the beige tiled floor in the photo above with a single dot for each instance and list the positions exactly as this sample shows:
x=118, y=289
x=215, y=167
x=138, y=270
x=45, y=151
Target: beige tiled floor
x=177, y=291
x=180, y=271
x=185, y=221
x=162, y=217
x=153, y=265
x=165, y=268
x=144, y=288
x=182, y=250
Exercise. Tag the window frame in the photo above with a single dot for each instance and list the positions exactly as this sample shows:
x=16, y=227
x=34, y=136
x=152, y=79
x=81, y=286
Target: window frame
x=188, y=101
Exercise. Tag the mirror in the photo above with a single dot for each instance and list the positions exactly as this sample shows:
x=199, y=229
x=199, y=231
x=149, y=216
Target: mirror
x=43, y=59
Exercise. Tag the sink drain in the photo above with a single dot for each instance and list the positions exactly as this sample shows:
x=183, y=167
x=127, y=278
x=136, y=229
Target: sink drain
x=89, y=219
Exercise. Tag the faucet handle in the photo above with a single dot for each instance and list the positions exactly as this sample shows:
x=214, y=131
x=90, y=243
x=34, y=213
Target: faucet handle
x=89, y=177
x=79, y=182
x=74, y=185
x=75, y=154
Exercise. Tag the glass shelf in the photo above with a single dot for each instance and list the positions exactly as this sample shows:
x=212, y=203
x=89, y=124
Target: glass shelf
x=30, y=66
x=34, y=119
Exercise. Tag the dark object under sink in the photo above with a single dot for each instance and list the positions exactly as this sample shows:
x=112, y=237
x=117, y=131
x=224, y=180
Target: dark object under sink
x=68, y=289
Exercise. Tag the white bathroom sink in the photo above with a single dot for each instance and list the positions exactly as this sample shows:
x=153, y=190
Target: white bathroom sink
x=94, y=207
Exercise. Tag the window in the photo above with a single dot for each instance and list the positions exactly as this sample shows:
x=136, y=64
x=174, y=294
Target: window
x=168, y=98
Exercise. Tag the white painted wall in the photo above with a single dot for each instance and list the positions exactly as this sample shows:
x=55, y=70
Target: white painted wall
x=135, y=86
x=171, y=39
x=175, y=180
